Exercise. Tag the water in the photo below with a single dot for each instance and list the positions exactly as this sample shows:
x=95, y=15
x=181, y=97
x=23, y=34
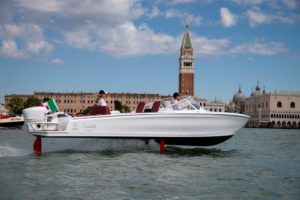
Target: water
x=254, y=164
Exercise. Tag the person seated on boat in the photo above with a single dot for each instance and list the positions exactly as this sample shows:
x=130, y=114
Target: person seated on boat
x=180, y=105
x=176, y=98
x=101, y=98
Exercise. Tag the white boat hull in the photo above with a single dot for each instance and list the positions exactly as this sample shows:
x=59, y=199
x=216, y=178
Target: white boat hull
x=186, y=128
x=190, y=126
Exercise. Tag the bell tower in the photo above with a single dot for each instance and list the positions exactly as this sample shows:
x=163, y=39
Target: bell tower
x=186, y=65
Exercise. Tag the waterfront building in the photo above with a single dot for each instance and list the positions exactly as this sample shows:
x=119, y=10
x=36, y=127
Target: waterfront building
x=23, y=97
x=215, y=106
x=277, y=109
x=70, y=102
x=76, y=102
x=201, y=101
x=186, y=65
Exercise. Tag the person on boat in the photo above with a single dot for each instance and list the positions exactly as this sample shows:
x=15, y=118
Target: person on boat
x=181, y=105
x=101, y=98
x=176, y=98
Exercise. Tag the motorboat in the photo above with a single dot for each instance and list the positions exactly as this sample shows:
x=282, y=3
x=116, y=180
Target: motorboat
x=175, y=123
x=6, y=120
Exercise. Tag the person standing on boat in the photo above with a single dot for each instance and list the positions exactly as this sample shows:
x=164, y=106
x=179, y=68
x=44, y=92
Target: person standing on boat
x=101, y=98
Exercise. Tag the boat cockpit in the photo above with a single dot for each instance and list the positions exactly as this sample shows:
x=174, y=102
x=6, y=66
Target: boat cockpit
x=168, y=105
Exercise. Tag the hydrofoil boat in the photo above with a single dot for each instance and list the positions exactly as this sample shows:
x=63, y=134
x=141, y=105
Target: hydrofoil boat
x=166, y=122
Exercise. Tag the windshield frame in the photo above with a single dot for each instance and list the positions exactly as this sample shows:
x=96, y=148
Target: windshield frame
x=186, y=100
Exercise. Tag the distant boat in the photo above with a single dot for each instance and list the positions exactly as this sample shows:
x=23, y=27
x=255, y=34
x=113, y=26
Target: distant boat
x=11, y=121
x=165, y=123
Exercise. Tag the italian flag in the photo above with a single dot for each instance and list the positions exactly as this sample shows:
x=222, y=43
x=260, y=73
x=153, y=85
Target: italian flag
x=51, y=105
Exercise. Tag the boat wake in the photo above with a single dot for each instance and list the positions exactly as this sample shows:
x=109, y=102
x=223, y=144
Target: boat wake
x=7, y=151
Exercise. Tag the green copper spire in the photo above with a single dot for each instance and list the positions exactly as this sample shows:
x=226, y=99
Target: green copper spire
x=186, y=42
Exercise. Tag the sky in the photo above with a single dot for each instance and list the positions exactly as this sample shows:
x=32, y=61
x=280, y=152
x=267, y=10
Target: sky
x=133, y=46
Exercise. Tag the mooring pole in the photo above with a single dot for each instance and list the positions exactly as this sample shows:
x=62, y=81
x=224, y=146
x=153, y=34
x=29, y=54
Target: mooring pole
x=162, y=145
x=37, y=145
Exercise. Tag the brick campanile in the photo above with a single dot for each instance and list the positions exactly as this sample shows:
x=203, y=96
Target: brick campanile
x=186, y=65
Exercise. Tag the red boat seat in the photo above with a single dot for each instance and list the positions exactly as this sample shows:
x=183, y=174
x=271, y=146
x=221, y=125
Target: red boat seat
x=100, y=110
x=155, y=106
x=104, y=110
x=140, y=107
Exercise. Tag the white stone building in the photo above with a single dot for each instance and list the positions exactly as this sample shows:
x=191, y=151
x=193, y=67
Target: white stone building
x=278, y=109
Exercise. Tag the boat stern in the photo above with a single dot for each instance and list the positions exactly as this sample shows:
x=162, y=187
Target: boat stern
x=33, y=116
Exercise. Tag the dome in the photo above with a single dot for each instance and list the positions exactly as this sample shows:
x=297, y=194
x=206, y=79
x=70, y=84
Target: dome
x=239, y=96
x=257, y=92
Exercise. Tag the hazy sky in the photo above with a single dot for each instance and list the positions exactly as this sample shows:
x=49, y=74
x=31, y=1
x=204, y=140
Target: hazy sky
x=133, y=46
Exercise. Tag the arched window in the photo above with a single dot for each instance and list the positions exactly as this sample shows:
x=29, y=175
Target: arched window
x=292, y=105
x=283, y=123
x=278, y=123
x=279, y=104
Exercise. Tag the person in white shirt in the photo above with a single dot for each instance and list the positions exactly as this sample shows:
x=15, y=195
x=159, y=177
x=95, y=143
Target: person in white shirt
x=101, y=98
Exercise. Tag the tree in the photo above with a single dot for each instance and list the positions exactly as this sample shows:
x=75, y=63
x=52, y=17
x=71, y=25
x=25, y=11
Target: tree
x=86, y=111
x=118, y=105
x=16, y=105
x=32, y=101
x=125, y=109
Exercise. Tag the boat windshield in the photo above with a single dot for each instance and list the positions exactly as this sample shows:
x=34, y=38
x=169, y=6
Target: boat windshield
x=187, y=103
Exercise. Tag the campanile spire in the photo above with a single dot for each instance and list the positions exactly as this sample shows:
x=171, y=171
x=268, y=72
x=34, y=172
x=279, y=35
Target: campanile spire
x=186, y=65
